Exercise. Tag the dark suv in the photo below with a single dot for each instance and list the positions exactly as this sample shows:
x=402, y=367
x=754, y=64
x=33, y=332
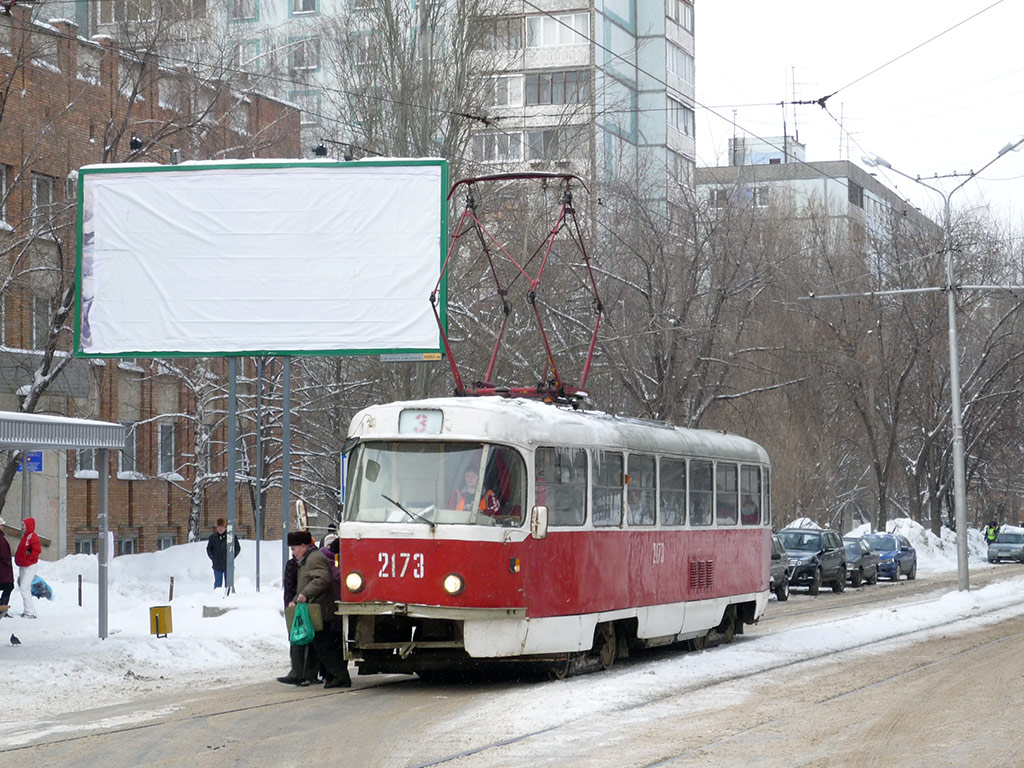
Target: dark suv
x=817, y=557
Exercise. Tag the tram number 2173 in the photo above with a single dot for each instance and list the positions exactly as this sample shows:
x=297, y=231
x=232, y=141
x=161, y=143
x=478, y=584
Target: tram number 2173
x=396, y=565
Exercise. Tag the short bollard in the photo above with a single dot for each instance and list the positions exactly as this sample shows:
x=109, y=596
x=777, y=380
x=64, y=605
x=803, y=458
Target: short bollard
x=160, y=620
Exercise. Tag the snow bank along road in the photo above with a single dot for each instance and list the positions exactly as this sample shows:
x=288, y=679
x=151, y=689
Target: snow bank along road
x=809, y=686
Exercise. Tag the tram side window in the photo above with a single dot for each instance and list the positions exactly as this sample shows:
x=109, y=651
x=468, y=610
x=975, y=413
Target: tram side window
x=725, y=493
x=607, y=488
x=701, y=492
x=640, y=499
x=562, y=484
x=673, y=492
x=750, y=495
x=766, y=506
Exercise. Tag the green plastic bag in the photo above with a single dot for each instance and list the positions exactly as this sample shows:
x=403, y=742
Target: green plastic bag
x=302, y=627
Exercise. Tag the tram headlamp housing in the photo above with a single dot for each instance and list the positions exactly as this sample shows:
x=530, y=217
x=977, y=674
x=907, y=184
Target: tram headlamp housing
x=354, y=581
x=453, y=584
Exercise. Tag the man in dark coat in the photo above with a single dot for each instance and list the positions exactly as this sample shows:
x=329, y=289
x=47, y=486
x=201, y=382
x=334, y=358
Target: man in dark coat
x=305, y=664
x=217, y=551
x=316, y=584
x=6, y=572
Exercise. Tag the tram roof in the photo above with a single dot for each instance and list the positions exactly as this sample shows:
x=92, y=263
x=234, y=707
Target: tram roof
x=530, y=422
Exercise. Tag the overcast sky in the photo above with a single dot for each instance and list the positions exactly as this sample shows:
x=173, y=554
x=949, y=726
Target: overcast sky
x=950, y=105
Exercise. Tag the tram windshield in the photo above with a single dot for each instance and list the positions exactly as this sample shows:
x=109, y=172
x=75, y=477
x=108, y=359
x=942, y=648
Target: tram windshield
x=436, y=483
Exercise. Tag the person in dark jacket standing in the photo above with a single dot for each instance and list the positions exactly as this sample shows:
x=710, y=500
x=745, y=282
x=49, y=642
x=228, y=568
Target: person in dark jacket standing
x=316, y=584
x=27, y=559
x=6, y=572
x=305, y=664
x=217, y=551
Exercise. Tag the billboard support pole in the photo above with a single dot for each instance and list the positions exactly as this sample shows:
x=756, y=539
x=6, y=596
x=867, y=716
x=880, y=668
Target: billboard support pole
x=229, y=581
x=259, y=465
x=286, y=458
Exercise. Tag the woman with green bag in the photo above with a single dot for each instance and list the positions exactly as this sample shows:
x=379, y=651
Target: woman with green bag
x=315, y=587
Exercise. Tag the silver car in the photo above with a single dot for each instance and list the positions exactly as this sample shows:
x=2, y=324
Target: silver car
x=1007, y=546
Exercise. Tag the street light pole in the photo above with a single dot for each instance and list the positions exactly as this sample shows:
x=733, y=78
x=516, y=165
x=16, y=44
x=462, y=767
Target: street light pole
x=956, y=412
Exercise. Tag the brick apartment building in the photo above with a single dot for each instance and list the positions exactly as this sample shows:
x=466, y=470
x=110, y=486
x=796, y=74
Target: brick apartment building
x=66, y=102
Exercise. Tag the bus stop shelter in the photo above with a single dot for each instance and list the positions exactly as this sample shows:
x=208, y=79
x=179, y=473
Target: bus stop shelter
x=31, y=431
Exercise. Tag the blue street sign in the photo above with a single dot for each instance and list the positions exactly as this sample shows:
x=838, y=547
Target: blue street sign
x=33, y=460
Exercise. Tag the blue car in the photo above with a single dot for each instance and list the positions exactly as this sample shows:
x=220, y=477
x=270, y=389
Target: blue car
x=897, y=556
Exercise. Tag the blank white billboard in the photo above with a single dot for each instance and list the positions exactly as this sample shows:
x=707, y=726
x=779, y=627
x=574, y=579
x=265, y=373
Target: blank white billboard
x=272, y=257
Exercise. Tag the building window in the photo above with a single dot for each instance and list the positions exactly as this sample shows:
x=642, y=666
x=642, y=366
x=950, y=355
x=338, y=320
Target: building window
x=569, y=87
x=364, y=5
x=85, y=546
x=719, y=198
x=681, y=168
x=166, y=541
x=127, y=462
x=680, y=117
x=759, y=197
x=42, y=201
x=309, y=103
x=85, y=460
x=563, y=29
x=167, y=457
x=681, y=12
x=504, y=91
x=303, y=6
x=855, y=192
x=125, y=10
x=245, y=10
x=40, y=328
x=247, y=55
x=680, y=63
x=127, y=545
x=502, y=34
x=544, y=144
x=498, y=147
x=306, y=54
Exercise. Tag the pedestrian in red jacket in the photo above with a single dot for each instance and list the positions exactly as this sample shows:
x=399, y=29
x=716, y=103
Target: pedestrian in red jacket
x=27, y=559
x=6, y=571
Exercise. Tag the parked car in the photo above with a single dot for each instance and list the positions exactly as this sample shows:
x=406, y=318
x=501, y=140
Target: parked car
x=779, y=570
x=1007, y=546
x=861, y=561
x=896, y=553
x=817, y=557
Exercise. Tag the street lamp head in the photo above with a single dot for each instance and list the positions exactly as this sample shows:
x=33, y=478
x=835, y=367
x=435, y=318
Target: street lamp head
x=875, y=161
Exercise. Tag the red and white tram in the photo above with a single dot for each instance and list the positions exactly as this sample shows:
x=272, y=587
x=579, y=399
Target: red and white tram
x=487, y=529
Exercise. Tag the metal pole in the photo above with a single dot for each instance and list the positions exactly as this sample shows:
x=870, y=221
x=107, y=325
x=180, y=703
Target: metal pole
x=959, y=472
x=286, y=455
x=24, y=485
x=104, y=525
x=229, y=585
x=259, y=465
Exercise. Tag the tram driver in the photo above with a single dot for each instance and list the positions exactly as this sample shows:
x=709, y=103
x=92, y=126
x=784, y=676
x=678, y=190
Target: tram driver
x=463, y=496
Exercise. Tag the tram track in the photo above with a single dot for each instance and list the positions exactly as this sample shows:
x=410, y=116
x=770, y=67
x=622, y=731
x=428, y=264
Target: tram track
x=703, y=686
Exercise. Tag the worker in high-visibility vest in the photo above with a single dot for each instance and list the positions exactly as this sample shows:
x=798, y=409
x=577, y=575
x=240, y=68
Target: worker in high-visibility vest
x=991, y=532
x=463, y=497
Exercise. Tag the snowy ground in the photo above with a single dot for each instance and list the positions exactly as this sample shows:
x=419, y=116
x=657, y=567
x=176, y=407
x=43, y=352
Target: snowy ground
x=63, y=666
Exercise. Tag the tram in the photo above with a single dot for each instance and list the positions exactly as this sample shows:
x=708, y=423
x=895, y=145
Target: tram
x=487, y=529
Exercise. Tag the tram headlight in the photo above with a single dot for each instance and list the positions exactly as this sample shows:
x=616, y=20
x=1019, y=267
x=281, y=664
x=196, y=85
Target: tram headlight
x=453, y=584
x=354, y=581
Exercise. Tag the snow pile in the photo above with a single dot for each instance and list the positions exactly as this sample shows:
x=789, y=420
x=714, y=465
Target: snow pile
x=62, y=665
x=803, y=522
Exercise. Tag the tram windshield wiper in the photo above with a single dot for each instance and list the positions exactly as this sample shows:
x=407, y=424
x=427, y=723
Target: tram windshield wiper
x=412, y=515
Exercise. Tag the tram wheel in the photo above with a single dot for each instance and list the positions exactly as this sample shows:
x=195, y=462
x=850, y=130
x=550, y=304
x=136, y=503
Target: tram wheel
x=606, y=644
x=562, y=668
x=697, y=643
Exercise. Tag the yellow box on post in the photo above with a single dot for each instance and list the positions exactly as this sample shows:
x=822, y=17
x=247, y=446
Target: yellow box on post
x=160, y=620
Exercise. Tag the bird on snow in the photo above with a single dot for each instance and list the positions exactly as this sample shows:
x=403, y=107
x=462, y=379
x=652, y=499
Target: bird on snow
x=15, y=640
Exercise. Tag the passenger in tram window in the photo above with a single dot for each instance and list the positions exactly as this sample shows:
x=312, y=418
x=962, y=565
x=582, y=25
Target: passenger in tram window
x=750, y=514
x=463, y=497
